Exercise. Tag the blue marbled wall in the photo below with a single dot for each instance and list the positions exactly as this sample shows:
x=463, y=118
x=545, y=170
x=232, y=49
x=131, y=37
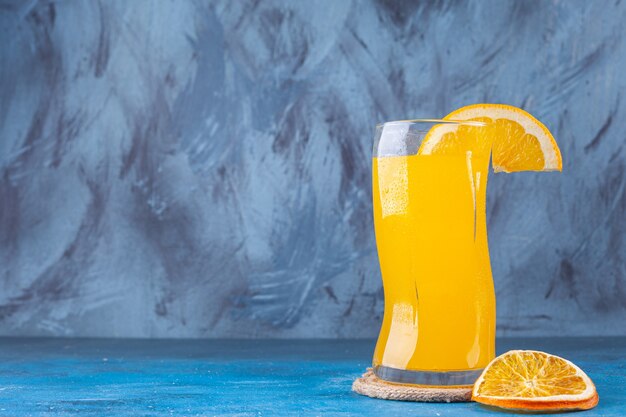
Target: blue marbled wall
x=202, y=168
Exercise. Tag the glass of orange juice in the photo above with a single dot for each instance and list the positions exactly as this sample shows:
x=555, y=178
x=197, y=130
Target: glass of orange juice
x=429, y=216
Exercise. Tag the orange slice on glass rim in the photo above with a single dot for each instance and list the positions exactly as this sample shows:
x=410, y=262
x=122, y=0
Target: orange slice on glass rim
x=533, y=380
x=518, y=141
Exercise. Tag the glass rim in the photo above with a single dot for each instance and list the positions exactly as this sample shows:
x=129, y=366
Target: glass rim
x=432, y=121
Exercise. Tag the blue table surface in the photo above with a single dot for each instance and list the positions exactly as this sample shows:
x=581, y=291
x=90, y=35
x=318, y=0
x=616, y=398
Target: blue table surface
x=243, y=377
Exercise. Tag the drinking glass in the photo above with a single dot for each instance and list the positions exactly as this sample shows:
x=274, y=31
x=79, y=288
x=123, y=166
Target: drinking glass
x=431, y=234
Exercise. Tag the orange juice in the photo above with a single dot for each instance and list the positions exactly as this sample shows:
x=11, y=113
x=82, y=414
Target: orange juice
x=431, y=234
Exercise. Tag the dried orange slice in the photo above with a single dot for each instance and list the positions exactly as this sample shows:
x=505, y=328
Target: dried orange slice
x=533, y=380
x=518, y=141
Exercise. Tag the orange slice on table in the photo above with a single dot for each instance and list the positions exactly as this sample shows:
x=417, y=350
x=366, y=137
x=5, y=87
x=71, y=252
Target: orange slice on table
x=533, y=380
x=518, y=141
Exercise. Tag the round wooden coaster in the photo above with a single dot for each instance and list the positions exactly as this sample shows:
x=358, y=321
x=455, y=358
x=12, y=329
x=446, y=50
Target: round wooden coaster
x=372, y=386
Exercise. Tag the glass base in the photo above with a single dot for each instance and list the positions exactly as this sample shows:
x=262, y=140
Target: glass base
x=444, y=378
